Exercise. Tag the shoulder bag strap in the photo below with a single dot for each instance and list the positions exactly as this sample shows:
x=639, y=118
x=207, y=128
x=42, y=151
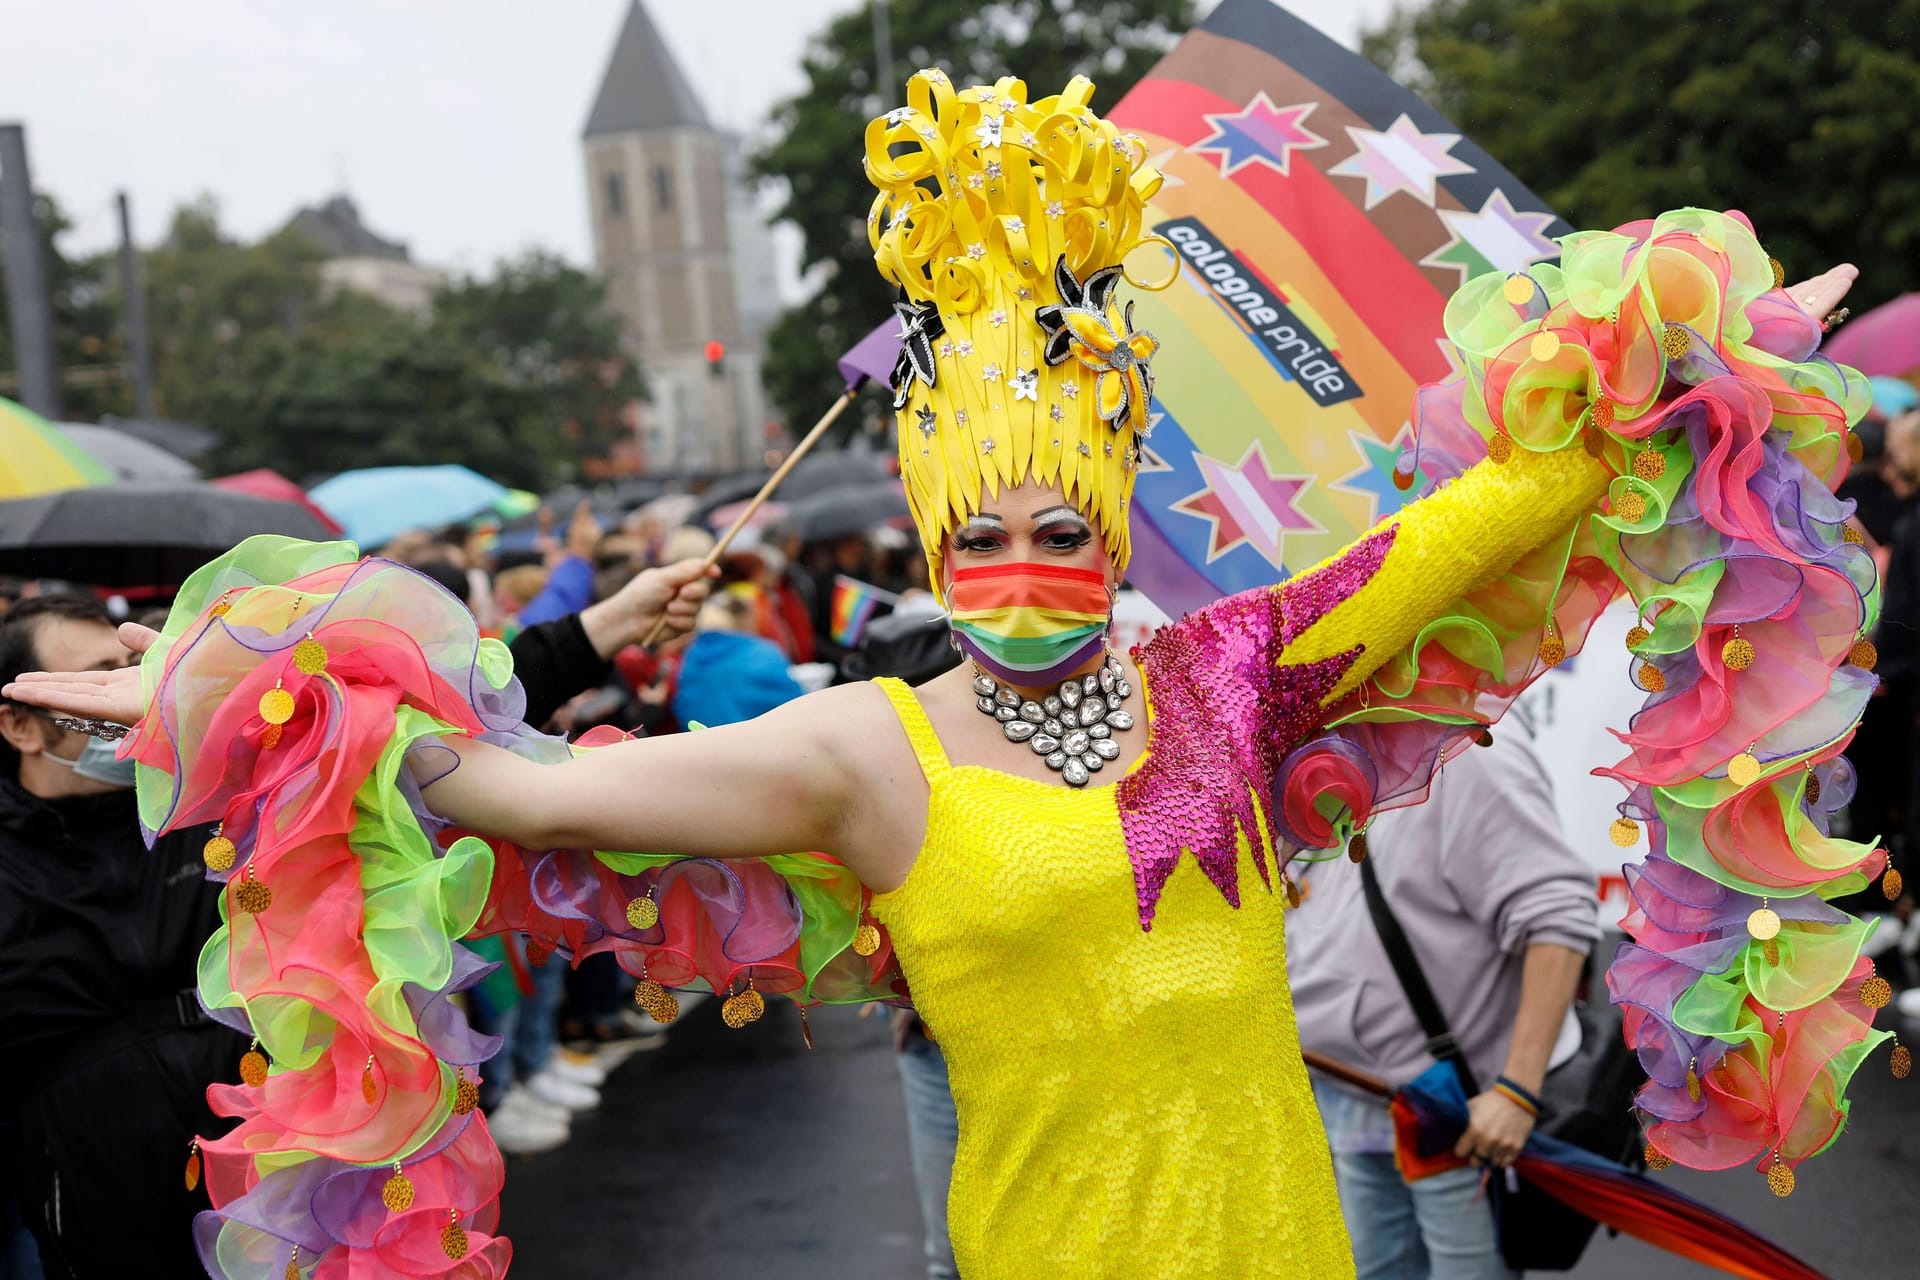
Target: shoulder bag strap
x=1413, y=980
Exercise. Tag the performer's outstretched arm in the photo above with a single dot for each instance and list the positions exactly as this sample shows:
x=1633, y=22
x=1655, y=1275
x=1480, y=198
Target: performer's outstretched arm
x=1442, y=547
x=813, y=774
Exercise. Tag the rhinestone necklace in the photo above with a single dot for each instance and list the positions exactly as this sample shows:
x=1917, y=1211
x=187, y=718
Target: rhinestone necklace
x=1071, y=729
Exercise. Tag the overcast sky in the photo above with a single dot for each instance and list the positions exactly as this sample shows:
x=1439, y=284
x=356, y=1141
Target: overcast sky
x=454, y=124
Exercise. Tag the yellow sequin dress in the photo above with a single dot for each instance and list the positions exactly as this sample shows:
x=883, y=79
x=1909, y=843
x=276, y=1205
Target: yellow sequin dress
x=1131, y=1104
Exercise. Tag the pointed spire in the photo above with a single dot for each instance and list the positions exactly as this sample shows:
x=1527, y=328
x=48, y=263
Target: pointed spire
x=643, y=88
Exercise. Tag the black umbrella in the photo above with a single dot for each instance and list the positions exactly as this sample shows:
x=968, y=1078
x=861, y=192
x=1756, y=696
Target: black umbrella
x=137, y=534
x=816, y=473
x=847, y=509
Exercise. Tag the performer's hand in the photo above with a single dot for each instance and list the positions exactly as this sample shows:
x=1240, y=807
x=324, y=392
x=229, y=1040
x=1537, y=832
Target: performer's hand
x=1496, y=1130
x=676, y=591
x=90, y=695
x=1820, y=295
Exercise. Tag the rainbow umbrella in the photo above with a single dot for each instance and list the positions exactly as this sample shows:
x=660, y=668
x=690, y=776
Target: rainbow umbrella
x=37, y=457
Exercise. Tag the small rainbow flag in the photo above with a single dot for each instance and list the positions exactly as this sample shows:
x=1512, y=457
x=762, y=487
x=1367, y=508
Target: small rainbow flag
x=853, y=604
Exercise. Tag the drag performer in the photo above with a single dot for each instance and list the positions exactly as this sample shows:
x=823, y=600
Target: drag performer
x=1072, y=860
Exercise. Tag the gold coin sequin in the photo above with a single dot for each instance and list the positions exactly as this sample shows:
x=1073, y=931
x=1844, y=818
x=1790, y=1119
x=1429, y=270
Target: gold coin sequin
x=397, y=1194
x=252, y=897
x=221, y=608
x=1545, y=345
x=276, y=706
x=453, y=1241
x=1624, y=832
x=1863, y=655
x=270, y=737
x=253, y=1068
x=1649, y=464
x=1674, y=341
x=1594, y=441
x=1780, y=1179
x=1638, y=636
x=1770, y=949
x=1901, y=1063
x=1850, y=534
x=1603, y=412
x=1357, y=847
x=1813, y=787
x=193, y=1167
x=1553, y=650
x=293, y=1266
x=643, y=913
x=866, y=940
x=1693, y=1085
x=1856, y=450
x=1744, y=769
x=1499, y=448
x=1891, y=884
x=1779, y=273
x=466, y=1096
x=310, y=657
x=1518, y=289
x=661, y=1004
x=218, y=853
x=1876, y=992
x=756, y=1004
x=1656, y=1158
x=1653, y=679
x=1763, y=923
x=1631, y=507
x=733, y=1012
x=368, y=1089
x=1738, y=653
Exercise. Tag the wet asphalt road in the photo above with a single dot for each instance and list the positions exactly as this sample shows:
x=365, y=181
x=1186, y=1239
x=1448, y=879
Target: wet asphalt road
x=741, y=1156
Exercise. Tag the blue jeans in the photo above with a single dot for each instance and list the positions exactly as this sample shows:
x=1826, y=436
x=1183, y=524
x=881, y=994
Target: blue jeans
x=536, y=1026
x=1439, y=1228
x=933, y=1131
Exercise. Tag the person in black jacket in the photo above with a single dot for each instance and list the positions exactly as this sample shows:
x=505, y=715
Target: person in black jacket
x=105, y=1053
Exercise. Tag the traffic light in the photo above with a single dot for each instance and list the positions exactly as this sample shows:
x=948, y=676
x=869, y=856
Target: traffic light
x=717, y=358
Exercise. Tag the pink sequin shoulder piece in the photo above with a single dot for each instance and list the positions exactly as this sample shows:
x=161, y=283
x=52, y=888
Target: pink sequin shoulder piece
x=1226, y=709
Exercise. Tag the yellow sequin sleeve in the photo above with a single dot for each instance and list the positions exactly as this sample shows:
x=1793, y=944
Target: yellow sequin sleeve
x=1446, y=545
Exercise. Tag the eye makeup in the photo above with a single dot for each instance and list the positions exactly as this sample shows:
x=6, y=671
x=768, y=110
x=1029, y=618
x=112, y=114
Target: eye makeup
x=1062, y=528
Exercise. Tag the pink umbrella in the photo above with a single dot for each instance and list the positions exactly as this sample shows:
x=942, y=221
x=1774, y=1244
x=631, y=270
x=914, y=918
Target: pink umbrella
x=263, y=483
x=1886, y=340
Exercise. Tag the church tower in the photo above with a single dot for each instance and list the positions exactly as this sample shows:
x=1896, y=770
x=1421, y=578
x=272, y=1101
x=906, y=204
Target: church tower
x=661, y=193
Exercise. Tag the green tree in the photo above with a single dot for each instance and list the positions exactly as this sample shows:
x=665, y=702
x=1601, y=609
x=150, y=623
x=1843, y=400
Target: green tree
x=87, y=343
x=389, y=393
x=815, y=147
x=1800, y=113
x=548, y=329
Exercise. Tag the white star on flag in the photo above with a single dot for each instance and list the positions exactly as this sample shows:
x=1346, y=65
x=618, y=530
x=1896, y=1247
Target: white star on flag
x=1401, y=159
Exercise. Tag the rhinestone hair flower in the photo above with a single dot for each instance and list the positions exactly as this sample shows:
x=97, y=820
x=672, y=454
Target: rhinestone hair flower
x=1080, y=328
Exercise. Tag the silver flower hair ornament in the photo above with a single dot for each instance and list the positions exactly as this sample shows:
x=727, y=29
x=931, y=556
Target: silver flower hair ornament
x=1079, y=327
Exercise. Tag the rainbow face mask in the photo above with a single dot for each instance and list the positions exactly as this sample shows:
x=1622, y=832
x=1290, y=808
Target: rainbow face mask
x=1029, y=624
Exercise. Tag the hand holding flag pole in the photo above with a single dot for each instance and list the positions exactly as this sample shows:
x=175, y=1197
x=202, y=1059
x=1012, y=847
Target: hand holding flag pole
x=807, y=442
x=1430, y=1114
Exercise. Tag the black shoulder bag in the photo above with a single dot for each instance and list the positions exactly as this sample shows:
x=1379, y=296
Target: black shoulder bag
x=1586, y=1101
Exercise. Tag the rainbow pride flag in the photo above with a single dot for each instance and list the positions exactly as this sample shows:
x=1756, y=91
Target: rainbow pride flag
x=852, y=608
x=1324, y=215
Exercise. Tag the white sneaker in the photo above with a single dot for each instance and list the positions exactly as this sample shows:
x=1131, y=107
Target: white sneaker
x=549, y=1086
x=581, y=1068
x=522, y=1130
x=523, y=1100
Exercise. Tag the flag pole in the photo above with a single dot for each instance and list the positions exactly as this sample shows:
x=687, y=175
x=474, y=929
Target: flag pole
x=807, y=442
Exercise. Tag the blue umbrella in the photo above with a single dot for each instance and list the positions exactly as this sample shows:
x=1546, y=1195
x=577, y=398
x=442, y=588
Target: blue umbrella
x=376, y=503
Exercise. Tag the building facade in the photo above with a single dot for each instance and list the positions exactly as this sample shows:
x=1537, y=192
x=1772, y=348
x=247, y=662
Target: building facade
x=668, y=200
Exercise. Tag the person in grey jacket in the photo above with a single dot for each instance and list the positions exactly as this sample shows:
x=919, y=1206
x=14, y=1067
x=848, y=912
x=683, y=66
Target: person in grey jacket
x=1501, y=913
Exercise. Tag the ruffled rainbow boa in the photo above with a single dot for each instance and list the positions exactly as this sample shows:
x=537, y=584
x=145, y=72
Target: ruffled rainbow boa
x=346, y=977
x=1667, y=350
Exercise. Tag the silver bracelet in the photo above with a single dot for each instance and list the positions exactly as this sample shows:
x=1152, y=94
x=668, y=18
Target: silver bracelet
x=106, y=730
